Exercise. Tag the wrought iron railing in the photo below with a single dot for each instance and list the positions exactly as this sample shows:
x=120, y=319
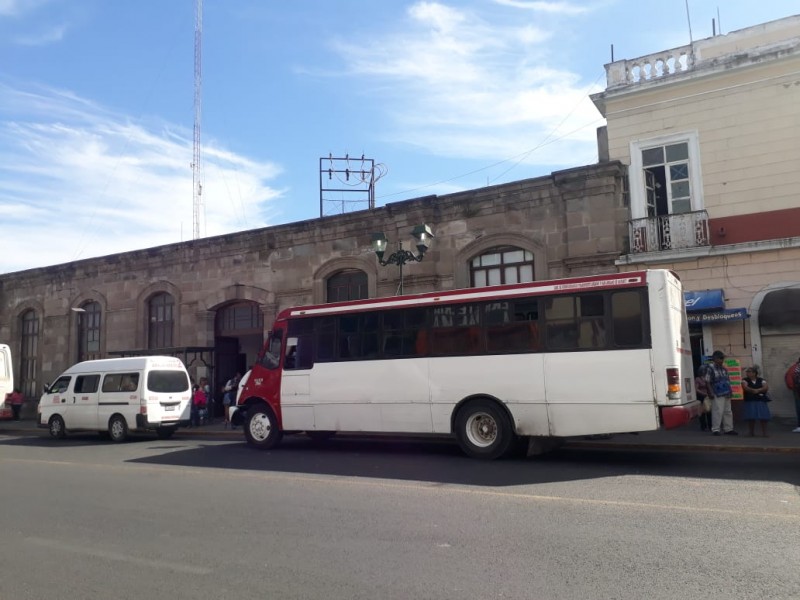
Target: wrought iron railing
x=669, y=232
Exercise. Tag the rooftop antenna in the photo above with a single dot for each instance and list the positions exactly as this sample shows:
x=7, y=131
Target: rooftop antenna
x=689, y=20
x=197, y=183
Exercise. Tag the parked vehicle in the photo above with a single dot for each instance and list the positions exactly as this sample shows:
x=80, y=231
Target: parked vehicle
x=118, y=396
x=6, y=380
x=537, y=361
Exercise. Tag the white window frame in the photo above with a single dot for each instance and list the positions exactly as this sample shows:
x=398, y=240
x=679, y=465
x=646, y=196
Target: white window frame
x=636, y=173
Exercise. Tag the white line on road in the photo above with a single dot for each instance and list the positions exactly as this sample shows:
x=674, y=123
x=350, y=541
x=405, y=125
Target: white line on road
x=116, y=556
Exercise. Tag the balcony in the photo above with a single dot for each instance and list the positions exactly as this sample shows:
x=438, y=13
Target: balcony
x=669, y=232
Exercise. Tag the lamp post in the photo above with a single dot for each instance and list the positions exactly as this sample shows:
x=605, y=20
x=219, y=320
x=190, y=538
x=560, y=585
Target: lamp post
x=423, y=235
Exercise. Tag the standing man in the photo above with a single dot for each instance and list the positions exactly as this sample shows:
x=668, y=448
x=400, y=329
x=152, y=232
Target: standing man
x=796, y=393
x=719, y=390
x=15, y=399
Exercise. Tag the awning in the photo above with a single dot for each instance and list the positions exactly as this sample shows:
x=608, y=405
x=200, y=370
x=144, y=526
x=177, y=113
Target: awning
x=704, y=300
x=717, y=316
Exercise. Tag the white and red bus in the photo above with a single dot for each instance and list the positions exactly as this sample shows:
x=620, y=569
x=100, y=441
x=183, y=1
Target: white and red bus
x=543, y=360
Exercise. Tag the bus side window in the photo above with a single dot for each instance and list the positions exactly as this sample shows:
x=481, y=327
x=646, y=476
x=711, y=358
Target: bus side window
x=298, y=353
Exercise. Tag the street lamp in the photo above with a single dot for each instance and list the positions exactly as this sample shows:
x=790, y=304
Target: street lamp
x=423, y=235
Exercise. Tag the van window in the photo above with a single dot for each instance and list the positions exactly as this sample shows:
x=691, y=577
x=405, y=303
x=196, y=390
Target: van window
x=60, y=386
x=87, y=384
x=168, y=382
x=121, y=382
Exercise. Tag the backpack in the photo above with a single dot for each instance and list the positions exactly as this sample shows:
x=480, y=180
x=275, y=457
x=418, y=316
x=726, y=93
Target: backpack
x=789, y=377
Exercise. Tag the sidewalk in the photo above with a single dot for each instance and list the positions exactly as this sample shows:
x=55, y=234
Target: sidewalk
x=688, y=438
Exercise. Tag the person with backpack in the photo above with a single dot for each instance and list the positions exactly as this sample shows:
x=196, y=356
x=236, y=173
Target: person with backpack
x=792, y=379
x=720, y=391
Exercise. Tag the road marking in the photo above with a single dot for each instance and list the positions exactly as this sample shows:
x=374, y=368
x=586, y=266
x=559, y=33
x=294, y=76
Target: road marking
x=116, y=556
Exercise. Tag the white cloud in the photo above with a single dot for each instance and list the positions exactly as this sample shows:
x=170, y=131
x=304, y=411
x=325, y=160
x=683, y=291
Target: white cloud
x=77, y=181
x=458, y=84
x=54, y=34
x=563, y=8
x=16, y=8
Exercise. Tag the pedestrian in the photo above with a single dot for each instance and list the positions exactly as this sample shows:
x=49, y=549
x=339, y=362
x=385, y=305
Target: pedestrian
x=719, y=390
x=794, y=377
x=16, y=400
x=701, y=393
x=755, y=401
x=206, y=387
x=229, y=397
x=198, y=405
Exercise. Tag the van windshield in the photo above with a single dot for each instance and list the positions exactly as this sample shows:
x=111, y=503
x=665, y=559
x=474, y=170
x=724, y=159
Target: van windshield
x=169, y=382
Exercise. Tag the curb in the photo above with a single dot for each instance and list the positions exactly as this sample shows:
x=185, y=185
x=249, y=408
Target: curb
x=682, y=447
x=569, y=445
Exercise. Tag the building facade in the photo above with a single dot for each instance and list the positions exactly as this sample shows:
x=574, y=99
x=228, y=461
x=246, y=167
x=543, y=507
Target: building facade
x=710, y=133
x=211, y=301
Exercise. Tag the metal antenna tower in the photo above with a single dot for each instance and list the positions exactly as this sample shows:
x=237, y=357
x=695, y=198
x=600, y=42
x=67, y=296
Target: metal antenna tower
x=197, y=183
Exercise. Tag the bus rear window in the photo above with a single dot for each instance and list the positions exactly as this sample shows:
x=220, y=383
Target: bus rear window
x=167, y=382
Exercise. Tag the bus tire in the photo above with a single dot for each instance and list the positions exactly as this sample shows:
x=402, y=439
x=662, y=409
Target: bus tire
x=117, y=429
x=56, y=427
x=164, y=433
x=484, y=430
x=261, y=427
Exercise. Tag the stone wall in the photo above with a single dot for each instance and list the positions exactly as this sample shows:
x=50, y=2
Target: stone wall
x=573, y=221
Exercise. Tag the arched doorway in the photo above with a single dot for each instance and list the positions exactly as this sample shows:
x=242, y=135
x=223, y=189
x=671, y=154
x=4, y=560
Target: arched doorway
x=779, y=325
x=238, y=338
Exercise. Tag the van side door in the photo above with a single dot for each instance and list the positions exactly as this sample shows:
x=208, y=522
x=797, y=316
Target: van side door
x=119, y=394
x=83, y=411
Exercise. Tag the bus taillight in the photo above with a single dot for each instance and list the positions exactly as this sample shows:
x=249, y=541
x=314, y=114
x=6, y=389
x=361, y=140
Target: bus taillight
x=673, y=383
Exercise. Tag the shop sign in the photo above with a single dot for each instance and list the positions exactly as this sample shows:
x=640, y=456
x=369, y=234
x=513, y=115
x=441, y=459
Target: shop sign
x=717, y=316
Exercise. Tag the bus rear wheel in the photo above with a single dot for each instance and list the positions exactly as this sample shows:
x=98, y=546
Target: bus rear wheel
x=261, y=428
x=484, y=430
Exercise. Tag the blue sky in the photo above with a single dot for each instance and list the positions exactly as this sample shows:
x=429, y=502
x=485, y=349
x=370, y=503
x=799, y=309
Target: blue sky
x=97, y=105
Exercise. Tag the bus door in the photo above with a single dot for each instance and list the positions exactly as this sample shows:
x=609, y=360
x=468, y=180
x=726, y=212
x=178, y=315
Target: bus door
x=297, y=411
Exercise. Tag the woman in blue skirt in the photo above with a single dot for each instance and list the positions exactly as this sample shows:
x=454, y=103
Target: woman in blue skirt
x=755, y=401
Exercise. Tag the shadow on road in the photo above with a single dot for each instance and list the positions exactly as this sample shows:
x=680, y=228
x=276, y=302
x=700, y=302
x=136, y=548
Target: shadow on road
x=440, y=461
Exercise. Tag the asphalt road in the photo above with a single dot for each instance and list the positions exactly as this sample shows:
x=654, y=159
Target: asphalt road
x=83, y=518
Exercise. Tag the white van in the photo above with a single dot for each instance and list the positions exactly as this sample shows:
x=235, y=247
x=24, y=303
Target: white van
x=6, y=380
x=116, y=396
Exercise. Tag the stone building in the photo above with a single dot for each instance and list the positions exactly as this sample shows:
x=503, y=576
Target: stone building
x=211, y=301
x=709, y=132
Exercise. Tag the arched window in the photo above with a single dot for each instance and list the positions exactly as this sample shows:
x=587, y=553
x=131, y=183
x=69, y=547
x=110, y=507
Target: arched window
x=29, y=351
x=161, y=321
x=347, y=285
x=502, y=264
x=89, y=331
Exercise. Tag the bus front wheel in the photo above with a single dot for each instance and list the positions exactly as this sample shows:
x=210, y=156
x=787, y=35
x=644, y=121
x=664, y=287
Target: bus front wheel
x=261, y=428
x=484, y=430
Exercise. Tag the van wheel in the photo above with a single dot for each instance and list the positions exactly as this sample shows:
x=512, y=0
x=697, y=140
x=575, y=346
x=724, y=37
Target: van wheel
x=261, y=427
x=483, y=430
x=56, y=427
x=117, y=429
x=164, y=433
